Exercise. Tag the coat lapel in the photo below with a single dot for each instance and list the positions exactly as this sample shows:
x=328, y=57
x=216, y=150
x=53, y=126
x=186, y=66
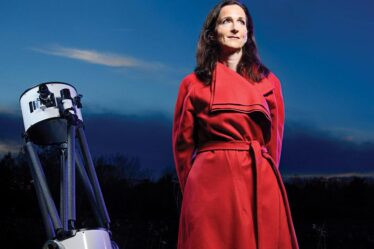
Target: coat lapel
x=231, y=91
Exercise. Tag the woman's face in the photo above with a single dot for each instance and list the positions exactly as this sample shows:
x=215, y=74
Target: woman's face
x=231, y=28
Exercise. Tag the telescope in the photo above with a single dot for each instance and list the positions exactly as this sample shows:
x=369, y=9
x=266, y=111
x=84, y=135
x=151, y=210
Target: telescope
x=52, y=115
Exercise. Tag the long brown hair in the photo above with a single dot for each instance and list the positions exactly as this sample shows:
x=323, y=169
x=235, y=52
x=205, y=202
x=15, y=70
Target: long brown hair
x=208, y=49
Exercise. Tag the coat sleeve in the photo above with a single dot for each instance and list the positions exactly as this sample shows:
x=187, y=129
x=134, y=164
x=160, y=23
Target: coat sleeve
x=183, y=132
x=277, y=126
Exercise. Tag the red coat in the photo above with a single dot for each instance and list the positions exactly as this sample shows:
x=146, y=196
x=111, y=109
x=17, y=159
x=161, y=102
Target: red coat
x=227, y=139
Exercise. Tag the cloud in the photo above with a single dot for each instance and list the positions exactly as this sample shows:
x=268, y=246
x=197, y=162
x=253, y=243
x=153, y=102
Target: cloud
x=10, y=110
x=6, y=147
x=146, y=138
x=11, y=127
x=329, y=176
x=307, y=150
x=99, y=58
x=11, y=132
x=354, y=134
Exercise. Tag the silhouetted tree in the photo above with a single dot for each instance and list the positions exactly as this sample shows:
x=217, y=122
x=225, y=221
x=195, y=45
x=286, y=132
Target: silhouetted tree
x=331, y=212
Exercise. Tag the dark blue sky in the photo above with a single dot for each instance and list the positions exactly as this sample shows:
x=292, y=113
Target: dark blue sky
x=128, y=57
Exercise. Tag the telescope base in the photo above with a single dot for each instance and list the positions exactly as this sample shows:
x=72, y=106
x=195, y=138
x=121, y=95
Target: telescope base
x=84, y=239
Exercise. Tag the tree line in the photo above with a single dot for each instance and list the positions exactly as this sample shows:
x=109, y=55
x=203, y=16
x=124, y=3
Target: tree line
x=327, y=212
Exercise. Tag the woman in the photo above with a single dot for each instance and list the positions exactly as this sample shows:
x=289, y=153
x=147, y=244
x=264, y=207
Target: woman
x=227, y=137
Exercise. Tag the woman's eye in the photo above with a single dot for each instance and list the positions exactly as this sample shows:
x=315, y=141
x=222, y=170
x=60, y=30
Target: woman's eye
x=242, y=22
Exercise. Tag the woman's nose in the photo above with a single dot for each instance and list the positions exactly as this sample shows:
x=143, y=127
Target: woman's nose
x=234, y=28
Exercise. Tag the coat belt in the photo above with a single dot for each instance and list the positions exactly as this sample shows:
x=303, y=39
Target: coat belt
x=258, y=152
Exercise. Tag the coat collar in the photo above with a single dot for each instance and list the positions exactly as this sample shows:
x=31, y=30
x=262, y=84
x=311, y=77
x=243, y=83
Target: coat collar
x=231, y=91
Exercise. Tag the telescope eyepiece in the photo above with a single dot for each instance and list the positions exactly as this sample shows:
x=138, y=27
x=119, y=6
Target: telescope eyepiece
x=46, y=97
x=44, y=92
x=65, y=93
